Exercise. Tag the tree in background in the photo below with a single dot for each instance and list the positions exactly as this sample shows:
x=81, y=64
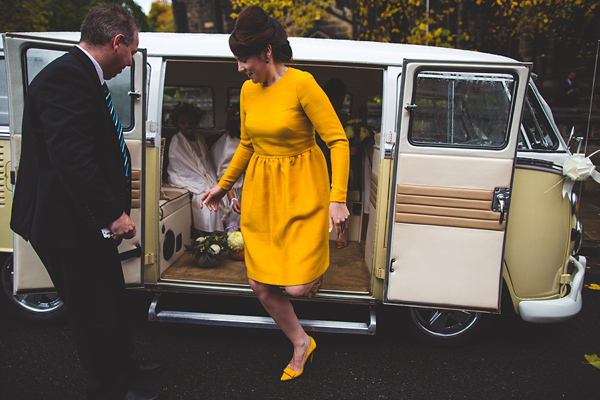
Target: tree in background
x=56, y=15
x=23, y=16
x=160, y=17
x=298, y=16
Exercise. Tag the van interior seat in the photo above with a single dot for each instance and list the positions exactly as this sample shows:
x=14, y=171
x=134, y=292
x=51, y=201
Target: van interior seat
x=176, y=198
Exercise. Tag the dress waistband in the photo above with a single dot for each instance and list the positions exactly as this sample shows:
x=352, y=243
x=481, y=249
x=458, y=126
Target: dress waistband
x=287, y=155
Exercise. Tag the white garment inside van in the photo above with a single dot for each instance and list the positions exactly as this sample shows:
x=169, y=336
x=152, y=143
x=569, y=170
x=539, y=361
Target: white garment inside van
x=221, y=154
x=190, y=168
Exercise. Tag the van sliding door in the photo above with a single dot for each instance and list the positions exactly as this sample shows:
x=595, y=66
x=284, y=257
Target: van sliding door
x=454, y=160
x=26, y=56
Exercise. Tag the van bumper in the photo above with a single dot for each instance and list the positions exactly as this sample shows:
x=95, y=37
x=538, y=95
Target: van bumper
x=557, y=310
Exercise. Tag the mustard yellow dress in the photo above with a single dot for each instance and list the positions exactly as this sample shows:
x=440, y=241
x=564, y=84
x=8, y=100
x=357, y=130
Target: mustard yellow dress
x=286, y=193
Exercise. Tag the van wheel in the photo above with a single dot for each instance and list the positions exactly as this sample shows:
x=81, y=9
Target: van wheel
x=444, y=327
x=42, y=308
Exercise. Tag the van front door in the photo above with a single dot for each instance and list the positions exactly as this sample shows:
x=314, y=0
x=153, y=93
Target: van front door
x=26, y=56
x=457, y=130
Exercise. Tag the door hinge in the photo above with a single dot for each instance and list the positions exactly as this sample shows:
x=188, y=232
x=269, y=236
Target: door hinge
x=150, y=259
x=565, y=279
x=151, y=126
x=389, y=137
x=380, y=273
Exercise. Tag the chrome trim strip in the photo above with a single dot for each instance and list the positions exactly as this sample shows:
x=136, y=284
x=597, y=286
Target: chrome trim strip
x=538, y=165
x=328, y=296
x=236, y=287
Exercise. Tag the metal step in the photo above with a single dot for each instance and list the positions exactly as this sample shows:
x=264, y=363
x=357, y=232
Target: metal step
x=253, y=321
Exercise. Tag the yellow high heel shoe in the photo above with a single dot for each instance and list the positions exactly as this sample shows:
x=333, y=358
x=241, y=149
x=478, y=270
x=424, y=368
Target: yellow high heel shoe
x=289, y=373
x=313, y=290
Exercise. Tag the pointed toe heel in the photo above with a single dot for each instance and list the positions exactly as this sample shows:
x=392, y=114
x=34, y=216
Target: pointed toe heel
x=289, y=373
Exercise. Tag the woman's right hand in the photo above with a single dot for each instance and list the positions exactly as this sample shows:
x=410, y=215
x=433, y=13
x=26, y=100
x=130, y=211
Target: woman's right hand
x=212, y=197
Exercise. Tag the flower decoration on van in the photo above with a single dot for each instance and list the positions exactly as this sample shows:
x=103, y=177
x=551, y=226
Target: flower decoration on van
x=357, y=132
x=208, y=248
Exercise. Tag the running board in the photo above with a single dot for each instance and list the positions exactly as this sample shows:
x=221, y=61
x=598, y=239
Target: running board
x=252, y=321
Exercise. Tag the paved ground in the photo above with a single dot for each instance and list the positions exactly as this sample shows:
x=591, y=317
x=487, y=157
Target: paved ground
x=513, y=360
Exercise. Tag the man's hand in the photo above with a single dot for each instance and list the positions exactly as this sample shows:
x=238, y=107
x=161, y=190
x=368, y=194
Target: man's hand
x=122, y=228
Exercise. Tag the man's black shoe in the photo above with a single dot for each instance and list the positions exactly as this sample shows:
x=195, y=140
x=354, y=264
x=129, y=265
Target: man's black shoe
x=144, y=369
x=140, y=395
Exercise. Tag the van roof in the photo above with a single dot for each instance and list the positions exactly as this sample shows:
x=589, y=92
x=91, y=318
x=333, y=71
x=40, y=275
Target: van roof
x=305, y=49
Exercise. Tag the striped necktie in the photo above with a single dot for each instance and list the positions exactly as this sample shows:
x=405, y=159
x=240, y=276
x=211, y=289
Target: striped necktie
x=118, y=128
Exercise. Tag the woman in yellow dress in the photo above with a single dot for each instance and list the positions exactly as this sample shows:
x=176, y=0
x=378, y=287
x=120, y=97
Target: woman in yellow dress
x=288, y=207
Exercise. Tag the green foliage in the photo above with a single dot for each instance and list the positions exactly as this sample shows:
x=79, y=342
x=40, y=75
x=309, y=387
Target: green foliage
x=298, y=16
x=160, y=17
x=23, y=16
x=593, y=359
x=55, y=15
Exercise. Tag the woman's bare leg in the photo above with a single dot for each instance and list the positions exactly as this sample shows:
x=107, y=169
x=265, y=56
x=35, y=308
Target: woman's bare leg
x=281, y=310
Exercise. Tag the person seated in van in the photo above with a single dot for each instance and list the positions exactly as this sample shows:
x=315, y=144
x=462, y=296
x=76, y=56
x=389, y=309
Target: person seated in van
x=191, y=168
x=221, y=153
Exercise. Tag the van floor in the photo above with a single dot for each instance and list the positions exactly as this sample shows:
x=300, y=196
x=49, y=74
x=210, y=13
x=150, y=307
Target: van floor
x=347, y=271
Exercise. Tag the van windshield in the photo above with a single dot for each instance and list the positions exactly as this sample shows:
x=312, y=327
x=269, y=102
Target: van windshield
x=536, y=130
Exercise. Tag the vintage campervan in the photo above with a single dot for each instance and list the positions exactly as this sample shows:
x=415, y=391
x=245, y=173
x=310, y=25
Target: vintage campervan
x=461, y=195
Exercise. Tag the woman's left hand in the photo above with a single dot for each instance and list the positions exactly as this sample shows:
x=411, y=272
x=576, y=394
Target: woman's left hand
x=338, y=216
x=236, y=206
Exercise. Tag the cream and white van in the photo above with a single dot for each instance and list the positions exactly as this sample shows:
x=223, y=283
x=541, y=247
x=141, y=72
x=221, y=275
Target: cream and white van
x=462, y=196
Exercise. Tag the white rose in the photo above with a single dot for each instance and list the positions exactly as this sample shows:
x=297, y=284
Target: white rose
x=216, y=249
x=201, y=239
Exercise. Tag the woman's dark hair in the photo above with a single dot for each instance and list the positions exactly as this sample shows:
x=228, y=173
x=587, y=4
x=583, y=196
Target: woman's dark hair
x=255, y=31
x=105, y=21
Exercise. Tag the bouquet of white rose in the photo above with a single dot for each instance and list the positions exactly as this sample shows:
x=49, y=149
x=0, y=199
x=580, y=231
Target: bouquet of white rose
x=208, y=248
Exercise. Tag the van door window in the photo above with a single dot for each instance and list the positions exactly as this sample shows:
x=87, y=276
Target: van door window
x=120, y=85
x=461, y=110
x=3, y=95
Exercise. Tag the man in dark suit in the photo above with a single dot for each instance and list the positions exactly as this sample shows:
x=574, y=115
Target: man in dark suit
x=73, y=181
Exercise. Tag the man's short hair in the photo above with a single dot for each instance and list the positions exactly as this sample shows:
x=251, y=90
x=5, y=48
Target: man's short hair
x=105, y=21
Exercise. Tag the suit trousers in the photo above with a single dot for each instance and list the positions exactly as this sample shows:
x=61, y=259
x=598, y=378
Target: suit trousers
x=90, y=282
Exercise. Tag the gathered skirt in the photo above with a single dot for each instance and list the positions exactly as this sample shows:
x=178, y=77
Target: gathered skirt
x=285, y=218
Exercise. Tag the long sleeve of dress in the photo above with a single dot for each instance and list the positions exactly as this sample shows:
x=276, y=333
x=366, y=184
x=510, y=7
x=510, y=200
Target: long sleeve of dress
x=319, y=110
x=242, y=155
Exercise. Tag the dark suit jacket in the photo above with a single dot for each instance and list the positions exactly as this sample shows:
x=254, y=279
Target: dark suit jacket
x=71, y=179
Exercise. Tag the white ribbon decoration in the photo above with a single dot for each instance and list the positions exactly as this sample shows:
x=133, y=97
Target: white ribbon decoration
x=578, y=167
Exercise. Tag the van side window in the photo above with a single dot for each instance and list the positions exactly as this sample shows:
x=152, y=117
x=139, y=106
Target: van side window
x=4, y=121
x=201, y=96
x=233, y=97
x=536, y=131
x=120, y=85
x=461, y=109
x=374, y=111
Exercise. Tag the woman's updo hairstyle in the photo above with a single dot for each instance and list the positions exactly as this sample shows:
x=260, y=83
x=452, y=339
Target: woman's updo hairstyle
x=255, y=31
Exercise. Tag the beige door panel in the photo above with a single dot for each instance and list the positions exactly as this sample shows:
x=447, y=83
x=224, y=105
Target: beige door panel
x=440, y=269
x=450, y=171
